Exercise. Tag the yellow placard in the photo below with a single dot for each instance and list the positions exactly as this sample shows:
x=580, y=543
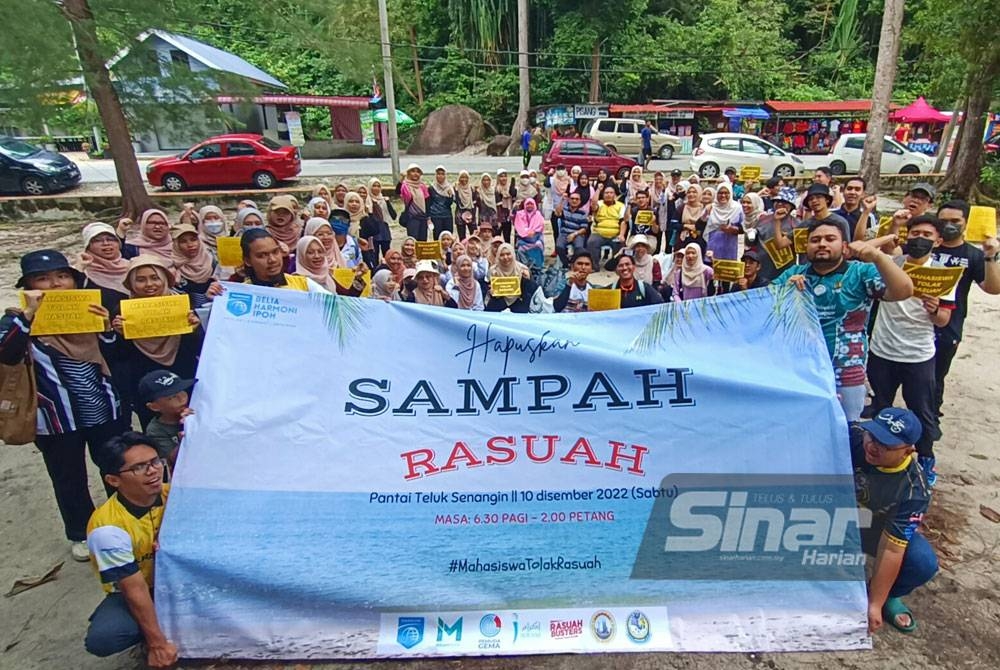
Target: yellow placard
x=728, y=270
x=885, y=228
x=800, y=238
x=505, y=287
x=66, y=313
x=982, y=224
x=429, y=251
x=230, y=253
x=345, y=277
x=644, y=217
x=156, y=317
x=932, y=281
x=780, y=257
x=749, y=173
x=603, y=299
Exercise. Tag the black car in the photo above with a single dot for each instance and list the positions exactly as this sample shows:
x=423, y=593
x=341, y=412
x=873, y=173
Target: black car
x=25, y=168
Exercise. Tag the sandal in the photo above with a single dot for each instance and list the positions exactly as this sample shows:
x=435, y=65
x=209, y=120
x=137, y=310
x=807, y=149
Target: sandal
x=893, y=608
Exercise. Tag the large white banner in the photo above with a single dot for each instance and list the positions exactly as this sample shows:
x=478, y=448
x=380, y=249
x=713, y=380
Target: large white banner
x=380, y=479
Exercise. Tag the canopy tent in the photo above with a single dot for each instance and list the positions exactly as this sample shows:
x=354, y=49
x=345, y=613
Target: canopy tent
x=919, y=112
x=745, y=113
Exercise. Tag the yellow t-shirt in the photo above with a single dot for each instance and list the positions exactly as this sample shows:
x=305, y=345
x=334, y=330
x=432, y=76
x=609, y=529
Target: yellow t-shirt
x=294, y=282
x=122, y=539
x=608, y=219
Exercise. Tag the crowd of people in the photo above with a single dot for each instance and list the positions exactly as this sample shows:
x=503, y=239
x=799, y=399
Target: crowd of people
x=663, y=238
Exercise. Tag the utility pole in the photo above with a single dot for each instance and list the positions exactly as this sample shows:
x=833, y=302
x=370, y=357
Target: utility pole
x=885, y=78
x=390, y=92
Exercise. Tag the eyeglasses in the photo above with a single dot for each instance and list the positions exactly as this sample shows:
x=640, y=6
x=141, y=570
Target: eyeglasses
x=145, y=468
x=161, y=224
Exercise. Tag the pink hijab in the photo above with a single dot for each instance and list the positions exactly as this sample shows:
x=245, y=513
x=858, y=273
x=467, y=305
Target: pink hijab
x=148, y=246
x=333, y=256
x=321, y=276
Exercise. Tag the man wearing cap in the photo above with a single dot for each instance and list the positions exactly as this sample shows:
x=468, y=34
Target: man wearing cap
x=774, y=234
x=891, y=486
x=635, y=293
x=751, y=278
x=980, y=267
x=844, y=281
x=917, y=201
x=818, y=202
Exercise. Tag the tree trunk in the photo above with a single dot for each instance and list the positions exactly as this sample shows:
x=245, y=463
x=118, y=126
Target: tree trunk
x=524, y=79
x=595, y=73
x=416, y=66
x=135, y=199
x=949, y=130
x=966, y=160
x=885, y=78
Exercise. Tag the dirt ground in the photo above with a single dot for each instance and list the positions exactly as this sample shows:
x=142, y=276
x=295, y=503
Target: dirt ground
x=958, y=612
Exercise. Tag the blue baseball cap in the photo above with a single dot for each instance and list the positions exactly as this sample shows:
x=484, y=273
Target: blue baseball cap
x=894, y=427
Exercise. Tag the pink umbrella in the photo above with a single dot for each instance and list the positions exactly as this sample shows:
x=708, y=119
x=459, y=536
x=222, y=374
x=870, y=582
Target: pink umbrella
x=919, y=112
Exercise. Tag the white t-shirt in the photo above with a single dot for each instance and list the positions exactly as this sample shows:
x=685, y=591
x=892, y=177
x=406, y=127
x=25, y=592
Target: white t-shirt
x=903, y=331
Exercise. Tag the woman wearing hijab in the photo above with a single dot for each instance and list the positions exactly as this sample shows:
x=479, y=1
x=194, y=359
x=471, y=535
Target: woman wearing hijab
x=320, y=191
x=408, y=252
x=559, y=183
x=149, y=277
x=691, y=277
x=447, y=240
x=247, y=218
x=102, y=264
x=465, y=205
x=486, y=203
x=442, y=197
x=322, y=229
x=587, y=193
x=311, y=261
x=504, y=195
x=384, y=285
x=753, y=206
x=605, y=180
x=415, y=196
x=152, y=238
x=211, y=226
x=79, y=407
x=362, y=190
x=283, y=225
x=339, y=193
x=318, y=207
x=474, y=250
x=692, y=214
x=463, y=287
x=428, y=289
x=263, y=264
x=530, y=228
x=646, y=267
x=383, y=213
x=525, y=189
x=531, y=299
x=725, y=224
x=197, y=269
x=393, y=262
x=633, y=184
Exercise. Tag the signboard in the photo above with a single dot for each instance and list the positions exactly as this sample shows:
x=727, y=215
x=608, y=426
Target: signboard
x=749, y=173
x=590, y=111
x=230, y=252
x=800, y=239
x=505, y=287
x=367, y=127
x=428, y=251
x=982, y=224
x=156, y=317
x=780, y=257
x=602, y=299
x=295, y=135
x=559, y=116
x=731, y=271
x=933, y=281
x=66, y=313
x=533, y=483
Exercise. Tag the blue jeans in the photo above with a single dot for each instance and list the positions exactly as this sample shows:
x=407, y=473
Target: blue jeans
x=112, y=628
x=579, y=244
x=920, y=564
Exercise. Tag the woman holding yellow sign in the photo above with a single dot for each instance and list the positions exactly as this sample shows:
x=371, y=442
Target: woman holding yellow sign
x=78, y=406
x=159, y=328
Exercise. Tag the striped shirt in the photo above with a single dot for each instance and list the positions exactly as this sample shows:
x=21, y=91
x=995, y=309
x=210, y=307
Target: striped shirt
x=72, y=394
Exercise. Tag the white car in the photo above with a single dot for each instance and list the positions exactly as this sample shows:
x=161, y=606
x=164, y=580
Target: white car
x=718, y=151
x=845, y=157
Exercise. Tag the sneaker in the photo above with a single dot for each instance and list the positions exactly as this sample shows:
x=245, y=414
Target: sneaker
x=927, y=463
x=79, y=551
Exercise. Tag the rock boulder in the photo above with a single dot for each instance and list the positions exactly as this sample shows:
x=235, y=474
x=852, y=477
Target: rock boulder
x=498, y=145
x=448, y=130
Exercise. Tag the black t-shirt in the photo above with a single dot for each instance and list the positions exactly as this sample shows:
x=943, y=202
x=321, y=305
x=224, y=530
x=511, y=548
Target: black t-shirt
x=897, y=499
x=974, y=261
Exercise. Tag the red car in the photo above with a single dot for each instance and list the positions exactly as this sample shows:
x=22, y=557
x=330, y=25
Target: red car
x=589, y=154
x=227, y=160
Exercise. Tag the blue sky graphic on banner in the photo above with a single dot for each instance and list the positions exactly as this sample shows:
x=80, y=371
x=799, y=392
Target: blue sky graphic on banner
x=382, y=479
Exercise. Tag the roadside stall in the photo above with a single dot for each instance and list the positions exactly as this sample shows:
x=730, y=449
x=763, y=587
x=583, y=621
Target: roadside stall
x=813, y=127
x=919, y=126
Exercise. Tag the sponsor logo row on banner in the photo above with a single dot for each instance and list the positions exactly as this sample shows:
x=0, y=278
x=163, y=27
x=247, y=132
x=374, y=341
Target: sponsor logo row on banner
x=524, y=631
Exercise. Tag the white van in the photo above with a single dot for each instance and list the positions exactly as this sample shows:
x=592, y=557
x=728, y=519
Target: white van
x=622, y=135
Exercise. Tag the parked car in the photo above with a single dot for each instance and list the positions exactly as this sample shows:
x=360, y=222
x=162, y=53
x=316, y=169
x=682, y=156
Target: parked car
x=227, y=160
x=25, y=168
x=622, y=135
x=845, y=156
x=718, y=151
x=589, y=154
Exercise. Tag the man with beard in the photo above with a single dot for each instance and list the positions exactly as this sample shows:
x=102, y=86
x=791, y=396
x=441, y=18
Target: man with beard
x=980, y=266
x=844, y=280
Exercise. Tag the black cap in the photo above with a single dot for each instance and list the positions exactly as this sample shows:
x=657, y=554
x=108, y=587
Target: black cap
x=339, y=213
x=45, y=260
x=160, y=384
x=612, y=263
x=819, y=189
x=925, y=187
x=750, y=255
x=675, y=173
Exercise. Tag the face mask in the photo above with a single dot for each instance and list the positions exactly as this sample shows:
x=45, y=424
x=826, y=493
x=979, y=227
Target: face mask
x=213, y=227
x=525, y=181
x=561, y=173
x=918, y=247
x=534, y=179
x=340, y=227
x=951, y=232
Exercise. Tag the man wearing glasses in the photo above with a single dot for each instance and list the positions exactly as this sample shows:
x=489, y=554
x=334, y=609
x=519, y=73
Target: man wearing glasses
x=122, y=536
